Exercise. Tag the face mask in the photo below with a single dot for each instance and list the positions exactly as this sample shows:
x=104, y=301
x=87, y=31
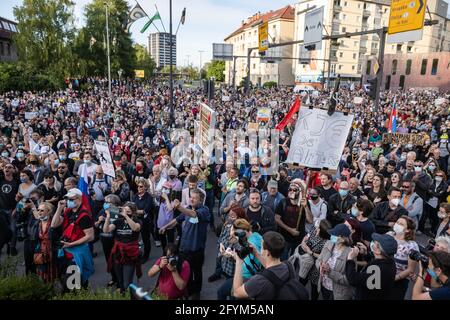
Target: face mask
x=62, y=157
x=87, y=161
x=193, y=220
x=20, y=155
x=372, y=246
x=23, y=180
x=395, y=202
x=398, y=229
x=56, y=162
x=355, y=212
x=71, y=204
x=402, y=158
x=43, y=218
x=334, y=239
x=432, y=274
x=106, y=206
x=314, y=197
x=343, y=193
x=418, y=169
x=442, y=215
x=431, y=168
x=438, y=179
x=4, y=154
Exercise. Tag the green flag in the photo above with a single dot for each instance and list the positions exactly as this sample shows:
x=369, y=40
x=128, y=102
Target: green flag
x=155, y=17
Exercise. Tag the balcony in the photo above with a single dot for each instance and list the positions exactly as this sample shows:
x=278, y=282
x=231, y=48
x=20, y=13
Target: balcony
x=373, y=51
x=364, y=37
x=334, y=59
x=365, y=26
x=362, y=48
x=337, y=8
x=366, y=13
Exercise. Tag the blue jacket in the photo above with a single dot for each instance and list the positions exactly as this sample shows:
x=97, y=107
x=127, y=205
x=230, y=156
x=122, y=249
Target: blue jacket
x=278, y=199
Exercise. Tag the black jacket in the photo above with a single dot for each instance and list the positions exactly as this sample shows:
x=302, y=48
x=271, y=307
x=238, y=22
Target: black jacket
x=438, y=192
x=341, y=205
x=268, y=220
x=382, y=215
x=423, y=184
x=363, y=280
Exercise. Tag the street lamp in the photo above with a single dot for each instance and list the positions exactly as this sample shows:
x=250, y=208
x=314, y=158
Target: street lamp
x=172, y=116
x=200, y=67
x=107, y=49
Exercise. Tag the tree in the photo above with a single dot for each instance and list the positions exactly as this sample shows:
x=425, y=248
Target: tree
x=216, y=69
x=190, y=71
x=144, y=61
x=91, y=40
x=45, y=34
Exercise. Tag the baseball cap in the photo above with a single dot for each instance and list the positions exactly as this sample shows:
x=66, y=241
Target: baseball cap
x=340, y=230
x=74, y=193
x=387, y=243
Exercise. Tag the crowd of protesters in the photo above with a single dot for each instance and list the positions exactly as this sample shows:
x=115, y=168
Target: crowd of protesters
x=277, y=234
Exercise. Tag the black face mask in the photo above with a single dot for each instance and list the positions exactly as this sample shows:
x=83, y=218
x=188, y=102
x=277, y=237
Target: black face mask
x=314, y=197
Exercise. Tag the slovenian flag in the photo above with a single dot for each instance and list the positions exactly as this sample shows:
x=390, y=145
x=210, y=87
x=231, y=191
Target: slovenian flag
x=83, y=185
x=393, y=119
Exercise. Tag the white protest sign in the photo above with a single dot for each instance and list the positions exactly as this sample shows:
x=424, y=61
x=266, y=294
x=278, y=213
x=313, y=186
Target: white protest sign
x=319, y=139
x=207, y=121
x=140, y=103
x=73, y=107
x=55, y=105
x=273, y=104
x=313, y=28
x=439, y=101
x=15, y=103
x=105, y=158
x=358, y=100
x=225, y=98
x=30, y=115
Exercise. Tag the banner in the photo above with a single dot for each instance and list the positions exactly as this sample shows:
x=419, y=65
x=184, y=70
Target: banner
x=440, y=101
x=105, y=158
x=319, y=139
x=207, y=121
x=263, y=37
x=358, y=100
x=263, y=114
x=273, y=104
x=225, y=98
x=140, y=103
x=73, y=107
x=416, y=139
x=139, y=73
x=30, y=115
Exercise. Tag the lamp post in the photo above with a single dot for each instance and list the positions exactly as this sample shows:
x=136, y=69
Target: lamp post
x=107, y=49
x=200, y=66
x=172, y=116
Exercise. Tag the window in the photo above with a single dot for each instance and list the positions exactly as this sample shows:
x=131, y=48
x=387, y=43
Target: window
x=2, y=51
x=344, y=16
x=353, y=67
x=342, y=43
x=345, y=3
x=368, y=66
x=423, y=70
x=254, y=66
x=409, y=48
x=402, y=82
x=434, y=67
x=354, y=56
x=408, y=66
x=394, y=67
x=341, y=54
x=340, y=66
x=399, y=48
x=344, y=29
x=388, y=83
x=358, y=19
x=8, y=49
x=359, y=5
x=355, y=43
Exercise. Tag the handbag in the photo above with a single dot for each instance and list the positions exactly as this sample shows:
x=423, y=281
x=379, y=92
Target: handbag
x=306, y=263
x=40, y=258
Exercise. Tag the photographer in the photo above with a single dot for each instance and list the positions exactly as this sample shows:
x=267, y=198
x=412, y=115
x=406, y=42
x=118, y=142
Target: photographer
x=125, y=253
x=439, y=270
x=174, y=273
x=166, y=215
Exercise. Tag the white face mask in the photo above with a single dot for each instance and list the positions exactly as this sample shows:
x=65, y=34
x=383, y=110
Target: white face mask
x=442, y=215
x=395, y=202
x=398, y=229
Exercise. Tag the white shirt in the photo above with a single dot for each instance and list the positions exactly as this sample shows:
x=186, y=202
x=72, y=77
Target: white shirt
x=318, y=211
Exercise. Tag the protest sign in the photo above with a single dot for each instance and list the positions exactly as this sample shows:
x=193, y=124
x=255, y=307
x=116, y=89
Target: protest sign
x=73, y=107
x=140, y=104
x=273, y=104
x=263, y=114
x=358, y=100
x=105, y=158
x=225, y=98
x=253, y=126
x=416, y=139
x=440, y=101
x=319, y=139
x=206, y=123
x=30, y=115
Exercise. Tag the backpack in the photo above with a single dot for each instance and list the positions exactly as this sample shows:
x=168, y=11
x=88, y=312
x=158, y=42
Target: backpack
x=291, y=289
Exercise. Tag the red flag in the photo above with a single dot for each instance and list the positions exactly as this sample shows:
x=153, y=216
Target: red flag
x=288, y=117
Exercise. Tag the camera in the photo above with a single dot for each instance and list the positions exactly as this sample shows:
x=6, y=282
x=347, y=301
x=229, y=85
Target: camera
x=22, y=233
x=245, y=249
x=172, y=260
x=419, y=257
x=114, y=213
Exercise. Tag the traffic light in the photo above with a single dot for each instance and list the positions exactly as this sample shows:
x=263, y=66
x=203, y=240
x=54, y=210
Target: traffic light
x=211, y=89
x=372, y=88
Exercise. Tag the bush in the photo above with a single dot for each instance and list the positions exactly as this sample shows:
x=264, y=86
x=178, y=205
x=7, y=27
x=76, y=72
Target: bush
x=9, y=267
x=89, y=294
x=270, y=84
x=29, y=287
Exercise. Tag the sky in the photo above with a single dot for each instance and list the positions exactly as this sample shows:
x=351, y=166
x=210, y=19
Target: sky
x=207, y=21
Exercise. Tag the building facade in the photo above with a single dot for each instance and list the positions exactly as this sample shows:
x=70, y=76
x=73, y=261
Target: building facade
x=8, y=51
x=413, y=70
x=280, y=29
x=346, y=56
x=159, y=48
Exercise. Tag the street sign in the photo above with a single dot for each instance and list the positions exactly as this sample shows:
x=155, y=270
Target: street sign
x=263, y=37
x=139, y=73
x=406, y=20
x=222, y=51
x=313, y=28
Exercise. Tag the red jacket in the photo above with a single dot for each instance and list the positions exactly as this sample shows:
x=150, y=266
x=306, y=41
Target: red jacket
x=71, y=226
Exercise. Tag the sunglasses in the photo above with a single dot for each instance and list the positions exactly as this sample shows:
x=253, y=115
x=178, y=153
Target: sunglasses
x=438, y=175
x=141, y=187
x=293, y=189
x=255, y=171
x=406, y=187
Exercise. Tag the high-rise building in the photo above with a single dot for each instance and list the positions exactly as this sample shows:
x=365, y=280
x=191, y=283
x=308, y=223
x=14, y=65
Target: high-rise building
x=8, y=51
x=280, y=29
x=159, y=48
x=348, y=55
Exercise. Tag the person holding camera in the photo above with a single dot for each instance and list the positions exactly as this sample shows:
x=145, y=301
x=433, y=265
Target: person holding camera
x=383, y=248
x=77, y=232
x=174, y=273
x=166, y=215
x=439, y=270
x=404, y=233
x=277, y=281
x=124, y=256
x=195, y=220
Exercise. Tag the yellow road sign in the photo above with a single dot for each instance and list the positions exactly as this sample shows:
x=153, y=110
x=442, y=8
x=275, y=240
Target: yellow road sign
x=139, y=73
x=263, y=37
x=406, y=15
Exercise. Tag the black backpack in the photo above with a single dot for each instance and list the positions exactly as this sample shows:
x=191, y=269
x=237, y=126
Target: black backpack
x=291, y=289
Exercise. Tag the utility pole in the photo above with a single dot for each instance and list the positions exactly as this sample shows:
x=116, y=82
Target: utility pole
x=234, y=72
x=200, y=66
x=107, y=49
x=171, y=67
x=382, y=35
x=188, y=56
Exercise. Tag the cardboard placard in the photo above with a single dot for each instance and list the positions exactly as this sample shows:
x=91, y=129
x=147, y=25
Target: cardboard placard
x=405, y=138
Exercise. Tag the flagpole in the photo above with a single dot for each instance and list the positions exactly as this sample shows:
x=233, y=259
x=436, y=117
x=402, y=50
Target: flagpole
x=153, y=23
x=162, y=23
x=107, y=49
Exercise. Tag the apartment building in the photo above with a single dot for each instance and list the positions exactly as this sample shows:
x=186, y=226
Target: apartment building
x=159, y=48
x=281, y=29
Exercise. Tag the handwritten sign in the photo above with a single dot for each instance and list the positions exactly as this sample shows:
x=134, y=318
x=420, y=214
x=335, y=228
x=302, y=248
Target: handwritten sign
x=263, y=114
x=225, y=98
x=73, y=107
x=319, y=139
x=140, y=103
x=405, y=138
x=30, y=115
x=207, y=122
x=105, y=158
x=358, y=100
x=440, y=101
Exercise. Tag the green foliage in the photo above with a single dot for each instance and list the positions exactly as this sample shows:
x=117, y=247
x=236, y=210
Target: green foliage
x=191, y=72
x=270, y=84
x=216, y=69
x=88, y=294
x=29, y=287
x=20, y=76
x=8, y=268
x=144, y=61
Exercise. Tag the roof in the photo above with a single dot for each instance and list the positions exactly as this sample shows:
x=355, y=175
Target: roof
x=7, y=28
x=287, y=13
